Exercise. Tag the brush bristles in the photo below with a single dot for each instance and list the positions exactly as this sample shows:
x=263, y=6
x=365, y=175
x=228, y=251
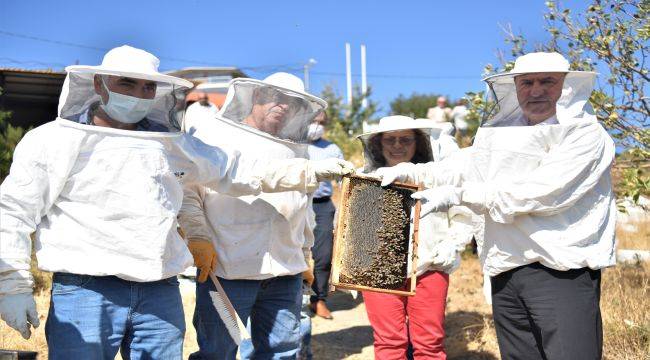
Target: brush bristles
x=227, y=318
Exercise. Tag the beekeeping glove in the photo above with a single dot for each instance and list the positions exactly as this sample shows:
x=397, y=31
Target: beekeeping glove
x=402, y=172
x=205, y=257
x=330, y=169
x=19, y=311
x=437, y=199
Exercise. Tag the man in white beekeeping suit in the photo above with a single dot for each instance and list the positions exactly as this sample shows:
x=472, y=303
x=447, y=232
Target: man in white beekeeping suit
x=263, y=242
x=539, y=172
x=101, y=186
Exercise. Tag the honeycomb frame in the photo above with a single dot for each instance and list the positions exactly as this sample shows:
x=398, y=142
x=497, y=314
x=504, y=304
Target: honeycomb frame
x=338, y=277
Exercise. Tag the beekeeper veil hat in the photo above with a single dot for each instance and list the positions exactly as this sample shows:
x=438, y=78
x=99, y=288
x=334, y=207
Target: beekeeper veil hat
x=277, y=106
x=164, y=106
x=372, y=140
x=571, y=106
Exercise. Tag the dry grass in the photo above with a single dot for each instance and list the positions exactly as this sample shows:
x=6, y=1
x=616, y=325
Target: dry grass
x=625, y=301
x=638, y=240
x=625, y=305
x=469, y=327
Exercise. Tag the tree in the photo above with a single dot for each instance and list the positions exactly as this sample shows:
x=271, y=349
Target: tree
x=346, y=121
x=352, y=116
x=415, y=106
x=9, y=138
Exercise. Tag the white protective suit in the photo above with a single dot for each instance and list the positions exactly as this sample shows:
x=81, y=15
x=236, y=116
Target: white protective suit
x=442, y=235
x=263, y=236
x=104, y=201
x=545, y=190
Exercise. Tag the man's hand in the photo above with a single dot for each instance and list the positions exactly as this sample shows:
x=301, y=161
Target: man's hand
x=402, y=172
x=308, y=275
x=19, y=311
x=205, y=257
x=330, y=169
x=438, y=199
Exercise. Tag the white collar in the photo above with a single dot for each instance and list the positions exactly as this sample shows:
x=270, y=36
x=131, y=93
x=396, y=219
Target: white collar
x=550, y=121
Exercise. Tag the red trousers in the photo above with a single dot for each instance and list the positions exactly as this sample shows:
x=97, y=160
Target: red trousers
x=397, y=319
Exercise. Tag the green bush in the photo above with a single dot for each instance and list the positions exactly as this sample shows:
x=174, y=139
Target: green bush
x=9, y=138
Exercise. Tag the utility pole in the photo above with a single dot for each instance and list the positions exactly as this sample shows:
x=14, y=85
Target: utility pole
x=364, y=81
x=348, y=73
x=307, y=66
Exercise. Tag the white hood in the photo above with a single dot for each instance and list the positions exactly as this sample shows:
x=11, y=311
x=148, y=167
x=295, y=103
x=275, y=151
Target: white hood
x=78, y=93
x=302, y=107
x=572, y=105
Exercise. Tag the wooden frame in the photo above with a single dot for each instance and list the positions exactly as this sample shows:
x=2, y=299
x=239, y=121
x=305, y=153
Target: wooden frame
x=339, y=239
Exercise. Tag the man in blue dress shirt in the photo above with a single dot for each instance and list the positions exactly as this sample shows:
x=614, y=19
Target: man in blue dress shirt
x=324, y=209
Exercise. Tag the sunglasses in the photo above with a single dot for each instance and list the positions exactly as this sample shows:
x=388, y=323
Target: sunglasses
x=391, y=140
x=268, y=95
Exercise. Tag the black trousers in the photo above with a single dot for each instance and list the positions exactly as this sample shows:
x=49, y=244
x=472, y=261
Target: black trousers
x=322, y=250
x=541, y=313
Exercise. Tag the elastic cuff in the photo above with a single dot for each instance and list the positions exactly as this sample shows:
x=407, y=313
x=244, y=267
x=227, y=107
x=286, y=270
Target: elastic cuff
x=16, y=282
x=311, y=182
x=474, y=196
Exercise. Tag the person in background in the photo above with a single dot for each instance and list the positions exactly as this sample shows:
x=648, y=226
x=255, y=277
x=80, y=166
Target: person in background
x=440, y=113
x=320, y=149
x=420, y=318
x=458, y=114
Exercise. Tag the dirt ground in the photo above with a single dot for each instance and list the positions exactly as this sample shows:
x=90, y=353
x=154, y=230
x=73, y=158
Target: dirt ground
x=468, y=327
x=470, y=334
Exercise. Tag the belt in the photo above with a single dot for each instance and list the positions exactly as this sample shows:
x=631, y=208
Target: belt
x=321, y=199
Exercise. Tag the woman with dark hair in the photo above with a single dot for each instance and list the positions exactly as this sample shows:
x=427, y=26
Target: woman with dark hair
x=419, y=319
x=386, y=151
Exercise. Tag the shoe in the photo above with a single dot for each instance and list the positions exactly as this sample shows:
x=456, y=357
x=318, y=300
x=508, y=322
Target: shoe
x=319, y=308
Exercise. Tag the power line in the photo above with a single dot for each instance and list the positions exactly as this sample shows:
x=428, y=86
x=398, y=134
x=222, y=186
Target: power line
x=292, y=67
x=389, y=76
x=101, y=49
x=403, y=76
x=31, y=62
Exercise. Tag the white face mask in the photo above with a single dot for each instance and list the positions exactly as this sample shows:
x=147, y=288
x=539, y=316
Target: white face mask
x=315, y=131
x=124, y=108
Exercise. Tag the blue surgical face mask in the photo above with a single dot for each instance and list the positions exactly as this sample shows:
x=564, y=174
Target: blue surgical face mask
x=124, y=108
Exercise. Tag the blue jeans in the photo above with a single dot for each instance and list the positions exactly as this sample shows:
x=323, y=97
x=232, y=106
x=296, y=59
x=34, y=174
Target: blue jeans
x=272, y=307
x=92, y=317
x=304, y=352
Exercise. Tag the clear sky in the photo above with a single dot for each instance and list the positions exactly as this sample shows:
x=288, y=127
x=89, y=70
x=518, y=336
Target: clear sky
x=412, y=46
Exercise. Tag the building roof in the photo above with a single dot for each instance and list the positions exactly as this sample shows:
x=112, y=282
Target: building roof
x=23, y=84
